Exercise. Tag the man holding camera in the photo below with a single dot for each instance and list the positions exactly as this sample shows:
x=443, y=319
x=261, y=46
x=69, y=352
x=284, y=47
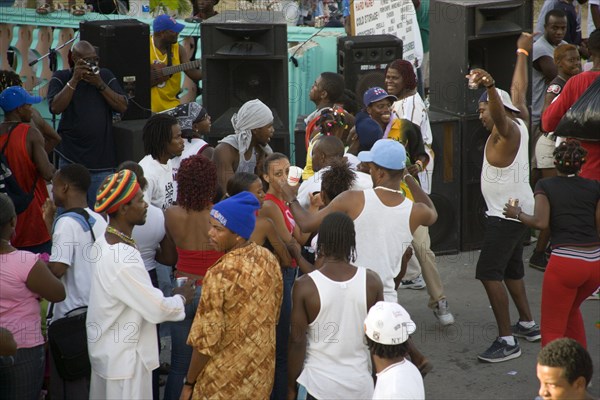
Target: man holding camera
x=86, y=96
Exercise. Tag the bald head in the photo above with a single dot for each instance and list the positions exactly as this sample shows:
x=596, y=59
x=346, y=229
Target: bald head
x=83, y=49
x=326, y=150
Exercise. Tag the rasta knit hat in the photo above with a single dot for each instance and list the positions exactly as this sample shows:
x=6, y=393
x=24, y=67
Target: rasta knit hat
x=237, y=213
x=117, y=189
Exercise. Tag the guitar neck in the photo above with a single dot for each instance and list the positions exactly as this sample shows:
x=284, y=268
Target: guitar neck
x=173, y=69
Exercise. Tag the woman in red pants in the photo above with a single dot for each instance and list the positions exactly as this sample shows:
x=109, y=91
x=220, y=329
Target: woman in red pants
x=570, y=206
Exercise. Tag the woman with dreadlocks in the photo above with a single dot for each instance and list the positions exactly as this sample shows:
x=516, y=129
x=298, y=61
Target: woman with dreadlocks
x=570, y=206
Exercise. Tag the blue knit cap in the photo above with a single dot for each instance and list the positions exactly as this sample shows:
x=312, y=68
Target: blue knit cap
x=237, y=213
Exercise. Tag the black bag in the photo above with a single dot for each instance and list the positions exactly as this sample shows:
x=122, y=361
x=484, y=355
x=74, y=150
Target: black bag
x=67, y=338
x=582, y=120
x=10, y=186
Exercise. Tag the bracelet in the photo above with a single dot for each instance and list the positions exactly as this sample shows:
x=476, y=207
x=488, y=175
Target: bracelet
x=491, y=85
x=186, y=383
x=523, y=51
x=70, y=86
x=419, y=164
x=102, y=87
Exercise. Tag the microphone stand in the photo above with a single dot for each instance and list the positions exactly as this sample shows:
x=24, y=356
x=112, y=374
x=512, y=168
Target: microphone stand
x=52, y=55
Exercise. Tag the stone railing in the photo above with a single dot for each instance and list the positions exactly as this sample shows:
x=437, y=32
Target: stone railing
x=29, y=35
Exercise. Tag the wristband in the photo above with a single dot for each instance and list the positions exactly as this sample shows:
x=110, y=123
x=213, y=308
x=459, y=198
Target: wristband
x=186, y=383
x=70, y=86
x=523, y=51
x=102, y=87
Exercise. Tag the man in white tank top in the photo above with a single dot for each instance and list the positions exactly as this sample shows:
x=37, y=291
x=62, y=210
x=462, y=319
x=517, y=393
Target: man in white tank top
x=384, y=218
x=329, y=308
x=505, y=174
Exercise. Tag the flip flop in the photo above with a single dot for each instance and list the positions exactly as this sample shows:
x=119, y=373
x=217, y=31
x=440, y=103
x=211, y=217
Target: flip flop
x=78, y=11
x=44, y=9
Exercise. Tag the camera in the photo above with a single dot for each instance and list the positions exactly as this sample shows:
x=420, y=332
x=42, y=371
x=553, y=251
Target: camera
x=94, y=67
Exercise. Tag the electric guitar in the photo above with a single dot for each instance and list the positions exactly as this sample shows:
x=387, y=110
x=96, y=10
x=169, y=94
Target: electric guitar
x=160, y=72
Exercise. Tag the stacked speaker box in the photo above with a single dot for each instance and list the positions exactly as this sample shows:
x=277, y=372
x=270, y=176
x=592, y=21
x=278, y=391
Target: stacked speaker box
x=244, y=57
x=123, y=47
x=468, y=34
x=445, y=188
x=362, y=60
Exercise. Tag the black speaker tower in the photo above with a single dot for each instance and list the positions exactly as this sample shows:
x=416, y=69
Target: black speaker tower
x=362, y=60
x=244, y=57
x=123, y=47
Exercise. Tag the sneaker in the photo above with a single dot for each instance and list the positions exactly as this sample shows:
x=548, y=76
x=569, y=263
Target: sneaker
x=538, y=260
x=500, y=351
x=416, y=284
x=442, y=313
x=530, y=334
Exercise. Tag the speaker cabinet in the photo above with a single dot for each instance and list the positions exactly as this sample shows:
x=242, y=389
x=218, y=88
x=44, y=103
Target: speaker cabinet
x=299, y=138
x=445, y=189
x=123, y=47
x=473, y=34
x=362, y=60
x=244, y=57
x=129, y=142
x=473, y=207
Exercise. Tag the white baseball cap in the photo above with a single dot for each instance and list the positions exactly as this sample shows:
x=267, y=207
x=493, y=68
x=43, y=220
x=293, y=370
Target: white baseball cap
x=504, y=97
x=389, y=323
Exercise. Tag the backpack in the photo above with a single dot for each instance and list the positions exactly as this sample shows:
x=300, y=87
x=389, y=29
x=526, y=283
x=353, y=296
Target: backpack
x=9, y=184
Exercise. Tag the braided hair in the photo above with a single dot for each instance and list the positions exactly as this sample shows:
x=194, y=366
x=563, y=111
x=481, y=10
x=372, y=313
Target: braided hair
x=337, y=237
x=569, y=157
x=9, y=78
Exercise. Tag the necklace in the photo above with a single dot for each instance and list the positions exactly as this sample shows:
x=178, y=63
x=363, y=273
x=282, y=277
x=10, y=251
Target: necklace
x=156, y=53
x=121, y=235
x=389, y=190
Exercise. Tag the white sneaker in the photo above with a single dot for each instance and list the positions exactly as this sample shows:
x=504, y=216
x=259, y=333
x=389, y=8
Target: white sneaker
x=416, y=284
x=442, y=313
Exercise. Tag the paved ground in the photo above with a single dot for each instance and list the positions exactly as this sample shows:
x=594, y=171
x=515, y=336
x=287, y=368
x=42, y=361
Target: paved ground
x=453, y=350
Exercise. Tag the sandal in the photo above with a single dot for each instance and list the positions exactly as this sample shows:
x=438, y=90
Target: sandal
x=44, y=9
x=78, y=11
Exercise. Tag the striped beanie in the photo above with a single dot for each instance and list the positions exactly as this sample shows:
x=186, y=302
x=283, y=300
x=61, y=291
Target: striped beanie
x=117, y=189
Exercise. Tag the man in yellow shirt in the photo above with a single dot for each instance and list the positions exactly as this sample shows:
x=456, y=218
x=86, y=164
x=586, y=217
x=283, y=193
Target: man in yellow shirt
x=165, y=52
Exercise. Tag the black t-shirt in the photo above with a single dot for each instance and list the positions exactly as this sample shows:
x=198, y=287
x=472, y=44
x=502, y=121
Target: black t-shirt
x=573, y=203
x=86, y=124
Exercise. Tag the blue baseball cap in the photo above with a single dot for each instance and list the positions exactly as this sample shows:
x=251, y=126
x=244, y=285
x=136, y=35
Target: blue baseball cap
x=165, y=22
x=375, y=94
x=386, y=153
x=15, y=96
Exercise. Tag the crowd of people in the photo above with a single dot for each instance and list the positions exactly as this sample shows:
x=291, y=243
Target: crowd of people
x=269, y=288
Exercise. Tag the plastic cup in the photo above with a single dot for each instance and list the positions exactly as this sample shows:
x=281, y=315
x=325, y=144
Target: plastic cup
x=472, y=84
x=294, y=176
x=179, y=282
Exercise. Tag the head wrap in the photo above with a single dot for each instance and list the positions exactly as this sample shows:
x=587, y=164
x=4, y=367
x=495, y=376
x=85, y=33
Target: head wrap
x=187, y=114
x=117, y=189
x=237, y=213
x=252, y=115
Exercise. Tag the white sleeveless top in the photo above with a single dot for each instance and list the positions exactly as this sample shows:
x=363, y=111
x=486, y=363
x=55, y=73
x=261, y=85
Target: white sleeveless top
x=337, y=358
x=382, y=235
x=500, y=184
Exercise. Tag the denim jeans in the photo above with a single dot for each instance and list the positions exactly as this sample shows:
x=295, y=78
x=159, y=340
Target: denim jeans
x=97, y=179
x=181, y=353
x=283, y=335
x=21, y=376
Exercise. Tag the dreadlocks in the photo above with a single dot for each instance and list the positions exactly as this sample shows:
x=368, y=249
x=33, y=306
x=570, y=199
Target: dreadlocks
x=337, y=238
x=157, y=134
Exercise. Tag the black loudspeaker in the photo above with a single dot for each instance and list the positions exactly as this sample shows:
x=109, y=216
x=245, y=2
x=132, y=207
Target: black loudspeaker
x=362, y=60
x=244, y=57
x=445, y=190
x=473, y=34
x=472, y=205
x=123, y=47
x=129, y=143
x=299, y=141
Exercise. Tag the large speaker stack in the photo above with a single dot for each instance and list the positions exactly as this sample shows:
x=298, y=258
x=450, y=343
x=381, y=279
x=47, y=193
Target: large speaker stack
x=466, y=34
x=244, y=57
x=362, y=61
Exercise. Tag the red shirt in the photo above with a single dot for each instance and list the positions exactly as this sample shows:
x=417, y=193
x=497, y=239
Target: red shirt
x=288, y=218
x=555, y=111
x=31, y=229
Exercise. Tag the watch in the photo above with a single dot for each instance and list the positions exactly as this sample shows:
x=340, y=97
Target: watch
x=186, y=383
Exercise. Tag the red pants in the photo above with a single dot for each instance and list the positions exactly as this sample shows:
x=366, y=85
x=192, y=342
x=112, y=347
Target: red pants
x=567, y=283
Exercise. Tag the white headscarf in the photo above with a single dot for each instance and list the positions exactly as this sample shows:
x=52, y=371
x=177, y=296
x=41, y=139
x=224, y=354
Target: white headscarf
x=253, y=114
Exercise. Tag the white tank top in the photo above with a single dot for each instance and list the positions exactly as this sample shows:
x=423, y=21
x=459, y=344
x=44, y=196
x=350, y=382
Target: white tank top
x=337, y=362
x=382, y=236
x=500, y=184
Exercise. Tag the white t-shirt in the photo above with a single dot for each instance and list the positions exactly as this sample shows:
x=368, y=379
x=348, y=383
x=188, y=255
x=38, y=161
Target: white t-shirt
x=159, y=191
x=413, y=109
x=399, y=381
x=591, y=28
x=189, y=149
x=313, y=184
x=148, y=236
x=72, y=246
